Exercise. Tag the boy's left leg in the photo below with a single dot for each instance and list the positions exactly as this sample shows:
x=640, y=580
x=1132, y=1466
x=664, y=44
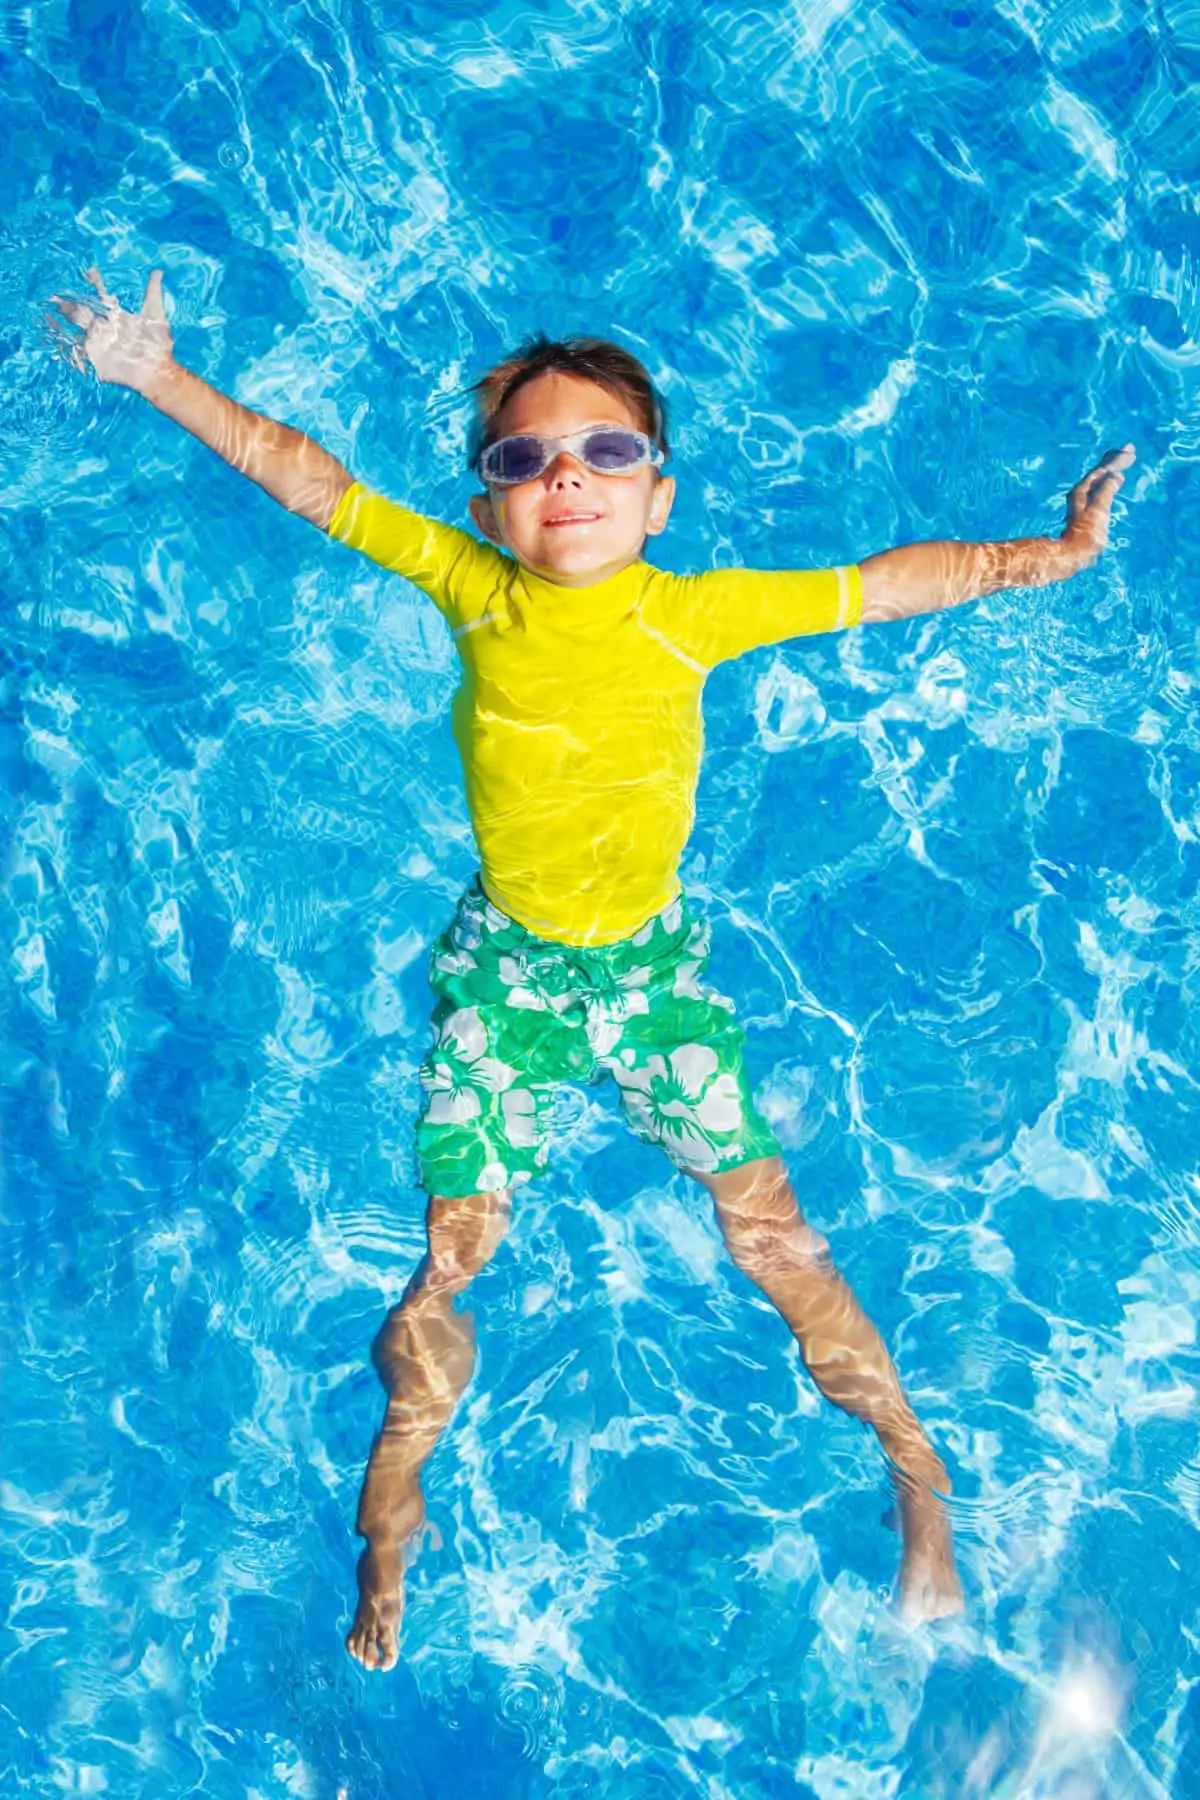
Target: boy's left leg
x=676, y=1052
x=770, y=1241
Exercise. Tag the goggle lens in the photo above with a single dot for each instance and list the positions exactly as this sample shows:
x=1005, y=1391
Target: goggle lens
x=514, y=459
x=609, y=451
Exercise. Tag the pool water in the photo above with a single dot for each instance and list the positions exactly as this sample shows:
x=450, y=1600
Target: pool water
x=903, y=270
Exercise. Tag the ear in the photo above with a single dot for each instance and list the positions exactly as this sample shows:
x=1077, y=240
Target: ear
x=661, y=502
x=482, y=511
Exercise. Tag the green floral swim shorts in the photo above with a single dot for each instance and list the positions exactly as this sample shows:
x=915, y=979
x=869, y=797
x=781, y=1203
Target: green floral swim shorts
x=516, y=1016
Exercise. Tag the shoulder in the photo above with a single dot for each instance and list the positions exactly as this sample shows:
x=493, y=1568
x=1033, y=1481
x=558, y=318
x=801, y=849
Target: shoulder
x=368, y=521
x=455, y=568
x=670, y=611
x=722, y=613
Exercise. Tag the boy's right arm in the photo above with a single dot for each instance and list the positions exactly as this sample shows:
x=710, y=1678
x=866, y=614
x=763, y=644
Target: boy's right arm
x=135, y=350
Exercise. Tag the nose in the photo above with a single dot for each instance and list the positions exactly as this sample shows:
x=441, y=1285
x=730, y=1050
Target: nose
x=564, y=470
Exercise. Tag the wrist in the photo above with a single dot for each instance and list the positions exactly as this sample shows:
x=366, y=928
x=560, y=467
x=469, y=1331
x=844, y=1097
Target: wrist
x=1069, y=554
x=160, y=382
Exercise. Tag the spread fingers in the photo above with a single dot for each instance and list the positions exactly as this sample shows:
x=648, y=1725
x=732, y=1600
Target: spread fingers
x=74, y=311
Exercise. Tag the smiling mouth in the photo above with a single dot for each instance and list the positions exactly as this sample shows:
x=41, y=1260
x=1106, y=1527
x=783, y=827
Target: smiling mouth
x=572, y=518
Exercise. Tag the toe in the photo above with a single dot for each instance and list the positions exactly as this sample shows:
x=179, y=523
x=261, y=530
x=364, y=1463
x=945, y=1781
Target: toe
x=374, y=1644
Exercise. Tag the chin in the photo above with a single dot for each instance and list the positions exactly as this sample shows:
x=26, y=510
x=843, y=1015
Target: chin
x=581, y=562
x=579, y=567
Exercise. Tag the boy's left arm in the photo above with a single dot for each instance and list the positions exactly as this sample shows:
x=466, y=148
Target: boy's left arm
x=923, y=578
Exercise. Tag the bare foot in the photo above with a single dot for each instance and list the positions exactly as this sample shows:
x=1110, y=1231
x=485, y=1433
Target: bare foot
x=374, y=1638
x=929, y=1584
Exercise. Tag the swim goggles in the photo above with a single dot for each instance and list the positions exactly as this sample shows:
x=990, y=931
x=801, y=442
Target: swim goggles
x=605, y=449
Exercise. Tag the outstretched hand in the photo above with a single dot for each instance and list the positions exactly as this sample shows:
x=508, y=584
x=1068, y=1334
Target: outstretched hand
x=130, y=349
x=1089, y=505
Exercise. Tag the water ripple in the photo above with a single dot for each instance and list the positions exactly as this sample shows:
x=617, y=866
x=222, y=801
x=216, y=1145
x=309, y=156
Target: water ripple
x=903, y=271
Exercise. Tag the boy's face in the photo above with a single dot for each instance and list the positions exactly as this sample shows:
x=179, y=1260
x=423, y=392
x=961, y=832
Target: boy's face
x=570, y=524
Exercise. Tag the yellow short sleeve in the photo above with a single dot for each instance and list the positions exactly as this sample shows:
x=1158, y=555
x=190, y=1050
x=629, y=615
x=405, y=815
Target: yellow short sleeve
x=722, y=614
x=456, y=570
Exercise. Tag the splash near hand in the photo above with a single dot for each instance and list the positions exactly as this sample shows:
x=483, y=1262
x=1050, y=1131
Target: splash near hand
x=1089, y=505
x=133, y=350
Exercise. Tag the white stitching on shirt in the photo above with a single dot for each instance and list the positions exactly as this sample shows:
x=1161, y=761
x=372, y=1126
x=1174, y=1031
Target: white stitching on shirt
x=472, y=625
x=689, y=662
x=843, y=611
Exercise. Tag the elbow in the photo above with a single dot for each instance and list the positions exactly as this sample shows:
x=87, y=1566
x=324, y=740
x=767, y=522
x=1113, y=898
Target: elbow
x=884, y=603
x=320, y=507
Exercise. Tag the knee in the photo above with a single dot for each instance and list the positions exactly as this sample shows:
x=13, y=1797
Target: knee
x=771, y=1248
x=464, y=1235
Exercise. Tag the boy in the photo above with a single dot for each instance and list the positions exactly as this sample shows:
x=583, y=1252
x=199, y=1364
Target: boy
x=578, y=720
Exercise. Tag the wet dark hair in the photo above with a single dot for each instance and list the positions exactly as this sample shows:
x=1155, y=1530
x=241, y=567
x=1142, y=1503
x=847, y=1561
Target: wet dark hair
x=591, y=359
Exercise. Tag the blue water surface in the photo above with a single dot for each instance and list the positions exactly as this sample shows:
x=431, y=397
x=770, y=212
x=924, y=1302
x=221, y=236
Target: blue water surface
x=903, y=270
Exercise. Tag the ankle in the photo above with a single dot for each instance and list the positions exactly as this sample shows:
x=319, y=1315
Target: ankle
x=920, y=1472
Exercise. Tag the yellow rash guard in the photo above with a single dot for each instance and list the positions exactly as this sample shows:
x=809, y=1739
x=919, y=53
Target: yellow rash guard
x=578, y=716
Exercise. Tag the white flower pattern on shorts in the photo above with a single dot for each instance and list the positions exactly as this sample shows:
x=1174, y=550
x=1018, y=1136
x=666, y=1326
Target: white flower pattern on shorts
x=519, y=1108
x=462, y=1073
x=685, y=1103
x=519, y=1015
x=523, y=989
x=668, y=920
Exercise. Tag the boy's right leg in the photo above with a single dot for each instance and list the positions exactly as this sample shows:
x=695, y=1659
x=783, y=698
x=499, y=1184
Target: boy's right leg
x=424, y=1353
x=507, y=1030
